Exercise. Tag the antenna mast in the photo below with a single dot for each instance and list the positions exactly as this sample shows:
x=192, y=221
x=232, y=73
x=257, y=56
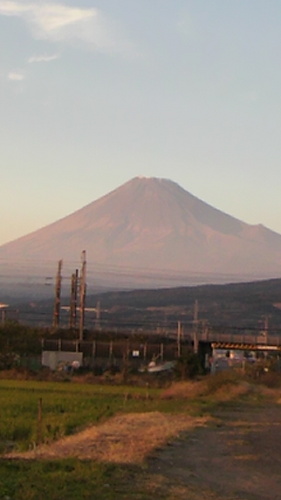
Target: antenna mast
x=82, y=294
x=56, y=317
x=73, y=300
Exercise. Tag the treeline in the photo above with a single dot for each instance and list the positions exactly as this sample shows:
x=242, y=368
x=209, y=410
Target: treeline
x=257, y=291
x=18, y=341
x=230, y=305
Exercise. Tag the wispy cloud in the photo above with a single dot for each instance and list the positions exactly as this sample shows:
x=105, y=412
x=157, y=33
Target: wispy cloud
x=16, y=76
x=48, y=17
x=60, y=23
x=43, y=58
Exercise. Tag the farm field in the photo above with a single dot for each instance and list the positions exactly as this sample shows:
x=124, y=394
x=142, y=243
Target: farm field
x=66, y=408
x=120, y=442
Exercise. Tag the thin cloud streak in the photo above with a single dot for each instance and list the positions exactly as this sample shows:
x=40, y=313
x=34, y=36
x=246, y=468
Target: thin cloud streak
x=43, y=58
x=10, y=8
x=48, y=16
x=60, y=23
x=16, y=77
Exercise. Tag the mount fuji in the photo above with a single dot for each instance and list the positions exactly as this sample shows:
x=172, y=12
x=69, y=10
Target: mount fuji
x=152, y=232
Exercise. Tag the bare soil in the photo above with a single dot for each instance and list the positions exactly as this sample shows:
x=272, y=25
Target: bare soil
x=236, y=457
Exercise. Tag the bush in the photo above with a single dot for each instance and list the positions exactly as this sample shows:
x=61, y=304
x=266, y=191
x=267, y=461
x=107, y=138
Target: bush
x=188, y=366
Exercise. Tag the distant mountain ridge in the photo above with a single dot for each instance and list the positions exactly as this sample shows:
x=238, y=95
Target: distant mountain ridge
x=155, y=225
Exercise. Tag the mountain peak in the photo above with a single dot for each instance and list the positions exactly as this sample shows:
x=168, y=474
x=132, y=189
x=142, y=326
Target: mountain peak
x=154, y=224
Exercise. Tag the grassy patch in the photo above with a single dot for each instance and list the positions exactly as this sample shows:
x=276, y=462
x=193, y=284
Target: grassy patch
x=72, y=479
x=66, y=408
x=70, y=407
x=64, y=479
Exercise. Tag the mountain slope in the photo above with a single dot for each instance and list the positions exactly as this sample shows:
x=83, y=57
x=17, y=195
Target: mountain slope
x=156, y=225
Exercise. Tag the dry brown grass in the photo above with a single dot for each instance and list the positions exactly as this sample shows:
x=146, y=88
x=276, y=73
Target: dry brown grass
x=231, y=392
x=271, y=393
x=186, y=389
x=219, y=390
x=122, y=439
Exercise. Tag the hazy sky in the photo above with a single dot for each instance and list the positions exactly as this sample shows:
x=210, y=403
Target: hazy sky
x=93, y=93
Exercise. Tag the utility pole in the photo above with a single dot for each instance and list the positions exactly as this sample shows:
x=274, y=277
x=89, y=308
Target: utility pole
x=195, y=326
x=3, y=316
x=266, y=326
x=98, y=314
x=179, y=339
x=56, y=317
x=82, y=294
x=73, y=300
x=264, y=331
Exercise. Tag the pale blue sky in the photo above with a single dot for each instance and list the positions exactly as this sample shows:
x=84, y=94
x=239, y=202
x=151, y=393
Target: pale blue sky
x=93, y=93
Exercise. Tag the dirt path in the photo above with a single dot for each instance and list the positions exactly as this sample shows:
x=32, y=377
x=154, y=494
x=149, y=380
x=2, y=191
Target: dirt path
x=239, y=457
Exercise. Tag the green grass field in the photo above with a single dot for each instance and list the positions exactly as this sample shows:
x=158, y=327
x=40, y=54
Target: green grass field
x=69, y=479
x=66, y=408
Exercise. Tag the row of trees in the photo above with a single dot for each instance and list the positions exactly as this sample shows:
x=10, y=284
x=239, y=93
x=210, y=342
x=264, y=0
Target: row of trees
x=17, y=341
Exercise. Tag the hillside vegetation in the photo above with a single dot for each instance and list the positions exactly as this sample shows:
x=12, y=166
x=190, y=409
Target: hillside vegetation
x=232, y=306
x=242, y=305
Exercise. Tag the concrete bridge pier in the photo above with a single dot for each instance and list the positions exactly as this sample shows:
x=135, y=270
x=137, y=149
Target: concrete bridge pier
x=205, y=353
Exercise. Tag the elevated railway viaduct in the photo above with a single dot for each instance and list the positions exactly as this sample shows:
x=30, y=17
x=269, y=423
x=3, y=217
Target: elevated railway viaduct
x=110, y=352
